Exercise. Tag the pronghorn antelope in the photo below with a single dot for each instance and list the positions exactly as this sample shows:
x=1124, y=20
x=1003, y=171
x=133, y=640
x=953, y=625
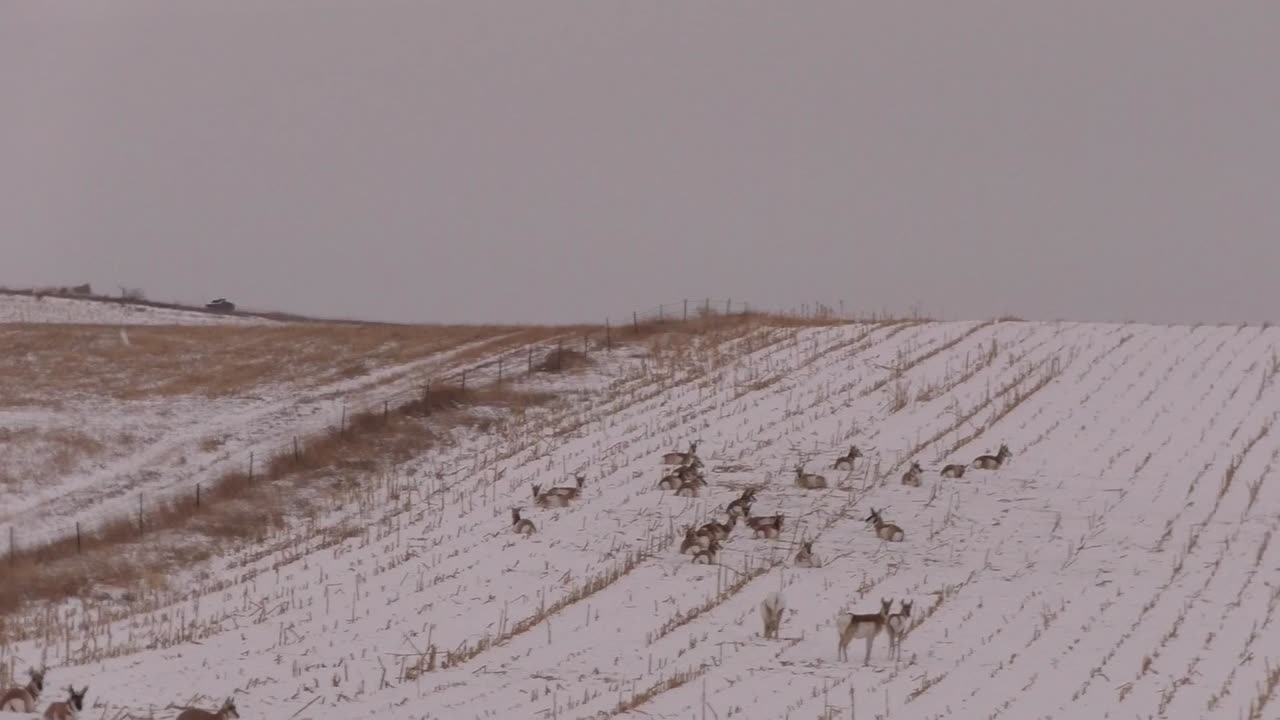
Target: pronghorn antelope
x=679, y=458
x=913, y=475
x=559, y=496
x=24, y=699
x=707, y=555
x=809, y=481
x=683, y=475
x=68, y=710
x=521, y=526
x=805, y=558
x=853, y=625
x=897, y=625
x=884, y=530
x=993, y=462
x=691, y=541
x=953, y=470
x=742, y=506
x=226, y=712
x=717, y=530
x=845, y=462
x=771, y=612
x=769, y=526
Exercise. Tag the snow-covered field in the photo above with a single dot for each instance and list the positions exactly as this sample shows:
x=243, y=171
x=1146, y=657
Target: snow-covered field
x=1119, y=565
x=50, y=309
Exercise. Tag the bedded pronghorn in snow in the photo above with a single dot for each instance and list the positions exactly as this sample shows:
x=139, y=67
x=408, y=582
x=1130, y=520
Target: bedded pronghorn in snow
x=682, y=458
x=805, y=557
x=897, y=625
x=707, y=555
x=845, y=462
x=993, y=462
x=914, y=475
x=519, y=525
x=741, y=507
x=771, y=610
x=717, y=530
x=68, y=709
x=953, y=470
x=768, y=526
x=226, y=712
x=24, y=699
x=559, y=496
x=683, y=475
x=884, y=530
x=809, y=481
x=854, y=625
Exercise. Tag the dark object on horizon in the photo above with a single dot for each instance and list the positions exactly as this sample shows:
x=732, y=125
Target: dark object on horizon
x=221, y=305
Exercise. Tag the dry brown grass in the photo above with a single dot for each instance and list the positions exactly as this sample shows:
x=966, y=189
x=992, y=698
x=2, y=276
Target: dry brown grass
x=34, y=455
x=39, y=362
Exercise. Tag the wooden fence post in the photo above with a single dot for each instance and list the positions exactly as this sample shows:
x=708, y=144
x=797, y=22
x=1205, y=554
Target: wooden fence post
x=464, y=380
x=608, y=336
x=250, y=474
x=13, y=546
x=586, y=346
x=342, y=424
x=559, y=355
x=635, y=321
x=499, y=369
x=197, y=496
x=426, y=398
x=686, y=310
x=140, y=524
x=79, y=546
x=530, y=370
x=297, y=456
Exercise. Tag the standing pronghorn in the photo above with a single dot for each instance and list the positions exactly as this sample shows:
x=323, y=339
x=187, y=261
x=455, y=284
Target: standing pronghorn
x=521, y=526
x=884, y=530
x=805, y=557
x=809, y=481
x=913, y=476
x=741, y=507
x=845, y=462
x=679, y=458
x=953, y=470
x=226, y=712
x=852, y=625
x=771, y=612
x=993, y=462
x=68, y=710
x=24, y=699
x=898, y=624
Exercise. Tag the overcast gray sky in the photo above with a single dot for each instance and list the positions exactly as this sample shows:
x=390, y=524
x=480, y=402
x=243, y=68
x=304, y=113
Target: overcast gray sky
x=559, y=161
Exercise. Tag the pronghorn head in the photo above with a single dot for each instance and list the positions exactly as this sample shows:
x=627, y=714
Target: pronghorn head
x=854, y=452
x=807, y=547
x=885, y=606
x=536, y=488
x=37, y=678
x=915, y=467
x=76, y=700
x=228, y=709
x=906, y=609
x=1004, y=452
x=693, y=447
x=777, y=521
x=874, y=517
x=515, y=515
x=580, y=479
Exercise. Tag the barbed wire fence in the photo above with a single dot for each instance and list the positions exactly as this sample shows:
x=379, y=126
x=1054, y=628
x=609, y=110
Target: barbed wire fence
x=255, y=465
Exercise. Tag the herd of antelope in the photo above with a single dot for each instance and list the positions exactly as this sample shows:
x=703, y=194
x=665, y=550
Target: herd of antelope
x=704, y=542
x=26, y=699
